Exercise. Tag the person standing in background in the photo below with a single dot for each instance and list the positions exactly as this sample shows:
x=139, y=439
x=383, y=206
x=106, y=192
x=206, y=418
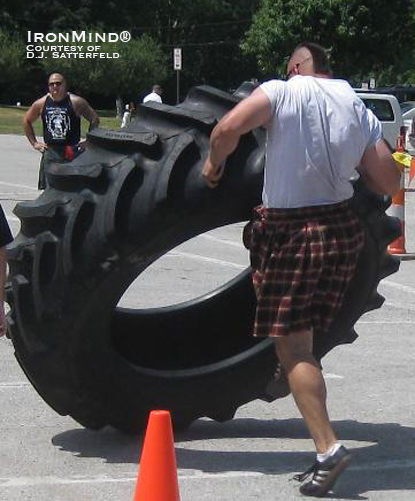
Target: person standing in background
x=155, y=95
x=61, y=114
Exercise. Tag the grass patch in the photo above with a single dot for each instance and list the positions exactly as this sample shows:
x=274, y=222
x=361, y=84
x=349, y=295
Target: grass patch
x=11, y=121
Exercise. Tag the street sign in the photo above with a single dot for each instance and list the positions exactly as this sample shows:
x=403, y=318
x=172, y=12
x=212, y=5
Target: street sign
x=177, y=59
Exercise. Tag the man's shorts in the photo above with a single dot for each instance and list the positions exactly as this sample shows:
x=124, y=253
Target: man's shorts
x=57, y=154
x=302, y=263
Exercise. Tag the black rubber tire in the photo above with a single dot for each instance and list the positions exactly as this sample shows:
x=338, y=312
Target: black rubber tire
x=106, y=216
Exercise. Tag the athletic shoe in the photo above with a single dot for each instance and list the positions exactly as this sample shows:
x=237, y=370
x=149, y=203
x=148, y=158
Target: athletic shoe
x=325, y=473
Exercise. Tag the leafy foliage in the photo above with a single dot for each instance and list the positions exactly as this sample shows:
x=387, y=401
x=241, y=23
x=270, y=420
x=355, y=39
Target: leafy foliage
x=364, y=39
x=12, y=58
x=209, y=33
x=223, y=43
x=132, y=65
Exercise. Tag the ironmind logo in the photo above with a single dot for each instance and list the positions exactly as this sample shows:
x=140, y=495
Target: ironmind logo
x=74, y=45
x=78, y=37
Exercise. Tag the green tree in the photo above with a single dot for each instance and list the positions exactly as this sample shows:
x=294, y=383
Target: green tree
x=209, y=32
x=13, y=63
x=128, y=68
x=54, y=15
x=363, y=38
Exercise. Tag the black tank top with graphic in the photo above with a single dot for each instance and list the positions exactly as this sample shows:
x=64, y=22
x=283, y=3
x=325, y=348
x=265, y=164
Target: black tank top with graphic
x=61, y=125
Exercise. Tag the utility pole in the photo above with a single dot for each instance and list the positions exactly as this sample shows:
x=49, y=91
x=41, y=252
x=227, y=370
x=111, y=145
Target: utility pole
x=177, y=66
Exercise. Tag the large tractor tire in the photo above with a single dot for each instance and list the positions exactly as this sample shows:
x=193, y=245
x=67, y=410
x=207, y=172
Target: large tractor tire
x=131, y=197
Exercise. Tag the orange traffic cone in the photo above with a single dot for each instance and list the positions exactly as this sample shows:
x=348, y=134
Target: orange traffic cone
x=157, y=478
x=397, y=209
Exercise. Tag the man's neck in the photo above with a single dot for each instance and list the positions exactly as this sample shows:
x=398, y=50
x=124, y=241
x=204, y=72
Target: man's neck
x=322, y=75
x=58, y=100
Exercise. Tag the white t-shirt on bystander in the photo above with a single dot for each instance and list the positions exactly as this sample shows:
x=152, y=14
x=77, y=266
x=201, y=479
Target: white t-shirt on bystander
x=153, y=96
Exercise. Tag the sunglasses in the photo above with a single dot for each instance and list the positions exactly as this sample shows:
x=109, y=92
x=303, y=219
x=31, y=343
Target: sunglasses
x=58, y=84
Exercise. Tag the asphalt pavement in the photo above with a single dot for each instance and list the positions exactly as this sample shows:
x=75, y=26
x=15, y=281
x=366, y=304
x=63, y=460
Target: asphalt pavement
x=47, y=457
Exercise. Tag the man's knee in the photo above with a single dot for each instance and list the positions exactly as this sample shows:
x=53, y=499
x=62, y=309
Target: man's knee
x=294, y=348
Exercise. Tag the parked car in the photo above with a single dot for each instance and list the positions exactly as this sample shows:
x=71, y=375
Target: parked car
x=408, y=109
x=408, y=115
x=386, y=108
x=402, y=93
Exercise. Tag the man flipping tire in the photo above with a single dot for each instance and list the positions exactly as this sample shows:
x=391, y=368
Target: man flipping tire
x=305, y=239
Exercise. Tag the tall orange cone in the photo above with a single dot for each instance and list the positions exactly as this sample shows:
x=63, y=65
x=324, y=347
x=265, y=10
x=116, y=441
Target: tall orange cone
x=397, y=209
x=157, y=478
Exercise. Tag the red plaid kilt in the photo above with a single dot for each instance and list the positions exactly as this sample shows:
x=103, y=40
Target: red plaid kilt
x=302, y=262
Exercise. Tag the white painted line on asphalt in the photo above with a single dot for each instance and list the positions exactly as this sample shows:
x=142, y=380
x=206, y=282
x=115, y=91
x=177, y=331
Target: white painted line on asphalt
x=14, y=384
x=399, y=306
x=228, y=242
x=36, y=481
x=329, y=375
x=19, y=185
x=24, y=384
x=396, y=285
x=103, y=479
x=380, y=322
x=19, y=482
x=12, y=195
x=206, y=259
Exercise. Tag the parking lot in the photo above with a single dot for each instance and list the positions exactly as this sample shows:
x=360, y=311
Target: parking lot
x=45, y=456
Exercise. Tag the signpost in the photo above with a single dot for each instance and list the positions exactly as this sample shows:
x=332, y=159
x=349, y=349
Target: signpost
x=177, y=66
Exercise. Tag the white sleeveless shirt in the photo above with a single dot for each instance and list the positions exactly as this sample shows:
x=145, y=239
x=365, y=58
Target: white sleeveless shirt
x=317, y=135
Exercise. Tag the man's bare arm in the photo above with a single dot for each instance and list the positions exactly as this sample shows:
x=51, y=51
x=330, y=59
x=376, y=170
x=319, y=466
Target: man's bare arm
x=379, y=170
x=83, y=109
x=249, y=114
x=31, y=115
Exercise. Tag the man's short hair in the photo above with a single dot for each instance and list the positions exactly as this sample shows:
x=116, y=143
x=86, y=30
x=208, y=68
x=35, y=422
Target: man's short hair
x=321, y=61
x=58, y=73
x=157, y=88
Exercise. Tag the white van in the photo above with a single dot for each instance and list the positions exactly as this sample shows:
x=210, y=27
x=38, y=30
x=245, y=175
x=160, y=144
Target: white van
x=386, y=107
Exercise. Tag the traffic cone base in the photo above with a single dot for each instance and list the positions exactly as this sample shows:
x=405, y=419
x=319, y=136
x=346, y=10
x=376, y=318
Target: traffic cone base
x=397, y=209
x=398, y=245
x=157, y=478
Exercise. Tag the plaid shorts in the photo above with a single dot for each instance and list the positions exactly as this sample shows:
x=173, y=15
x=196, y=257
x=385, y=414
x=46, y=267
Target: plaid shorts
x=302, y=263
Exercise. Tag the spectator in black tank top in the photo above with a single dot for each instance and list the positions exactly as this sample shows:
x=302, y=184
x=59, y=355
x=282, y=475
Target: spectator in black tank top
x=61, y=114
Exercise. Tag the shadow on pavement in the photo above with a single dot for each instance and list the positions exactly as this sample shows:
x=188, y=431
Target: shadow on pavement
x=387, y=464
